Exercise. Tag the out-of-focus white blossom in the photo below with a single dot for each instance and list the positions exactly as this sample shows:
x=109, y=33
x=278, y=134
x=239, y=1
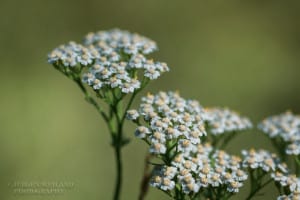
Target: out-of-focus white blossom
x=261, y=159
x=221, y=120
x=285, y=126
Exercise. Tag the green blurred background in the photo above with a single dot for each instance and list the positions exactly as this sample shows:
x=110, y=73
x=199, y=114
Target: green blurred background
x=240, y=54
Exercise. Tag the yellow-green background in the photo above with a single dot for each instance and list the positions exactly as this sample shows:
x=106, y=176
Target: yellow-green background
x=240, y=54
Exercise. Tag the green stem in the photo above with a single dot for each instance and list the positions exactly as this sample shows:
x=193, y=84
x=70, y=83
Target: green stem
x=117, y=145
x=227, y=138
x=118, y=140
x=257, y=189
x=280, y=148
x=297, y=165
x=119, y=177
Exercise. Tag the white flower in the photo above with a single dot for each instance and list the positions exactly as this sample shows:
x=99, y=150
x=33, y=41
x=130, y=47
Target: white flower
x=97, y=84
x=240, y=175
x=170, y=172
x=88, y=78
x=157, y=137
x=279, y=177
x=156, y=181
x=172, y=120
x=285, y=126
x=121, y=40
x=141, y=132
x=190, y=187
x=234, y=186
x=151, y=73
x=215, y=179
x=221, y=120
x=178, y=160
x=72, y=54
x=167, y=184
x=185, y=146
x=114, y=58
x=137, y=61
x=262, y=159
x=132, y=114
x=293, y=148
x=172, y=133
x=157, y=148
x=189, y=165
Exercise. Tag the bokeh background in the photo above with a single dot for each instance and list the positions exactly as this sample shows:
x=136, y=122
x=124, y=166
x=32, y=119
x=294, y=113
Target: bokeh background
x=240, y=54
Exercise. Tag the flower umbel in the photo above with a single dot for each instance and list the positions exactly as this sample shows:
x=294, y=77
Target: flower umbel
x=286, y=128
x=172, y=123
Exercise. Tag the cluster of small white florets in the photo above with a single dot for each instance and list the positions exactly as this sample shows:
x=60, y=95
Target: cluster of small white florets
x=288, y=181
x=114, y=58
x=72, y=54
x=168, y=118
x=279, y=172
x=285, y=126
x=119, y=40
x=268, y=162
x=221, y=120
x=201, y=170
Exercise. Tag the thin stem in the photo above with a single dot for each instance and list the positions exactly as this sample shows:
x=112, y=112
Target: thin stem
x=118, y=185
x=280, y=147
x=117, y=144
x=257, y=189
x=297, y=165
x=167, y=193
x=227, y=138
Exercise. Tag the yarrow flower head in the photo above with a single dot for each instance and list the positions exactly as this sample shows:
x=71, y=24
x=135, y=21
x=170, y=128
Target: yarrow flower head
x=122, y=56
x=221, y=120
x=73, y=54
x=116, y=59
x=115, y=39
x=169, y=122
x=201, y=170
x=262, y=159
x=286, y=127
x=290, y=183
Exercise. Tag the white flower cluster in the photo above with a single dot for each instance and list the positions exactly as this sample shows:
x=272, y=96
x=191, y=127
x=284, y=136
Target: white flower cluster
x=202, y=169
x=285, y=126
x=122, y=55
x=169, y=119
x=221, y=120
x=119, y=40
x=72, y=54
x=114, y=58
x=262, y=159
x=121, y=74
x=290, y=182
x=287, y=180
x=270, y=163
